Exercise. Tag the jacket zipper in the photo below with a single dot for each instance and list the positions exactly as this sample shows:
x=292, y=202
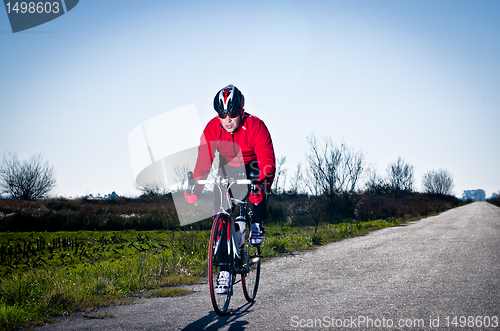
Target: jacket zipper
x=234, y=150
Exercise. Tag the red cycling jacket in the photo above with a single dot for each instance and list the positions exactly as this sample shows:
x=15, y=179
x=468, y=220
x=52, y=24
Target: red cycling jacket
x=251, y=141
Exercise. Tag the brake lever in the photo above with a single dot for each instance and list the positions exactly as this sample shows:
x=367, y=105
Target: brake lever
x=254, y=177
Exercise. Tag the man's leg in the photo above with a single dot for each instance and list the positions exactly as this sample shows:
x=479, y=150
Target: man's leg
x=259, y=215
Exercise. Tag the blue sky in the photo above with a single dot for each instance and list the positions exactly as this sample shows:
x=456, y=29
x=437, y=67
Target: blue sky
x=416, y=79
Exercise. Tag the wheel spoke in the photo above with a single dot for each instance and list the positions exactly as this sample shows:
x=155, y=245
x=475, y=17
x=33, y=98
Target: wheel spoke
x=250, y=279
x=220, y=302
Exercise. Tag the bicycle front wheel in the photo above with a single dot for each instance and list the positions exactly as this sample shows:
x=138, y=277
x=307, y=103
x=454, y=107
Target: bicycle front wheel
x=218, y=237
x=250, y=278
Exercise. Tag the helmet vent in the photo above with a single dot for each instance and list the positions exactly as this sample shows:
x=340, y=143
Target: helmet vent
x=228, y=100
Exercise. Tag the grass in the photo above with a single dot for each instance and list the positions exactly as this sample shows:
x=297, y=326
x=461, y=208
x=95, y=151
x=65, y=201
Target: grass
x=99, y=316
x=45, y=274
x=146, y=263
x=167, y=292
x=64, y=279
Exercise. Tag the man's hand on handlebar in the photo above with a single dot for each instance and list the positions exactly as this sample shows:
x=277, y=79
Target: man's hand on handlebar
x=256, y=194
x=192, y=194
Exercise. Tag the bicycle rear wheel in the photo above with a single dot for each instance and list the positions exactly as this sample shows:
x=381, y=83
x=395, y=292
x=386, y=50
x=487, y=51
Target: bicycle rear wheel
x=250, y=279
x=218, y=236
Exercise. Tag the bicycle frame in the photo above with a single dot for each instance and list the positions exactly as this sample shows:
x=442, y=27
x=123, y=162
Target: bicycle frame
x=226, y=206
x=238, y=260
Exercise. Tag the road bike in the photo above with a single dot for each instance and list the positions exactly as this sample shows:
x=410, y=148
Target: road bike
x=228, y=250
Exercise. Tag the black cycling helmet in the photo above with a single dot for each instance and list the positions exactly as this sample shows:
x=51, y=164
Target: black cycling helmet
x=229, y=100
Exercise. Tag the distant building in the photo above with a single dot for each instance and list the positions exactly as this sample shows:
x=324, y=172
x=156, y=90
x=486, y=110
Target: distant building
x=478, y=194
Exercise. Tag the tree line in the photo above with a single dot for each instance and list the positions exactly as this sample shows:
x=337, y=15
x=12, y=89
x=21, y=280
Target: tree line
x=329, y=169
x=332, y=169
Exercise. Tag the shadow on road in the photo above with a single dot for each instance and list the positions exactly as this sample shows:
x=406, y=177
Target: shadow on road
x=212, y=321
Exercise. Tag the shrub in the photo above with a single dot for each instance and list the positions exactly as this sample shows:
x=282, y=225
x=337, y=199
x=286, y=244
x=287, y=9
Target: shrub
x=495, y=201
x=409, y=205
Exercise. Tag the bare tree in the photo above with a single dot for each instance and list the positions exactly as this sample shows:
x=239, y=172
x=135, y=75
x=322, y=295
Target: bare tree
x=297, y=181
x=322, y=165
x=438, y=182
x=333, y=169
x=152, y=190
x=400, y=176
x=181, y=172
x=27, y=179
x=375, y=184
x=280, y=177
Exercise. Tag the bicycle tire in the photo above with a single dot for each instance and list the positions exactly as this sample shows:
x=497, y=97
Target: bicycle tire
x=250, y=279
x=220, y=302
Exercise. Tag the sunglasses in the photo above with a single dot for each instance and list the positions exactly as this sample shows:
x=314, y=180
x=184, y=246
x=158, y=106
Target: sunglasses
x=232, y=115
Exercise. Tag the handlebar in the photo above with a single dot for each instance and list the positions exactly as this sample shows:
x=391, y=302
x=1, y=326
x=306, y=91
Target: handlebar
x=217, y=181
x=224, y=184
x=226, y=181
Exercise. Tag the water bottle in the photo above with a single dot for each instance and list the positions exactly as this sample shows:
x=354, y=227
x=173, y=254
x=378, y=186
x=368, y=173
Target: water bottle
x=241, y=229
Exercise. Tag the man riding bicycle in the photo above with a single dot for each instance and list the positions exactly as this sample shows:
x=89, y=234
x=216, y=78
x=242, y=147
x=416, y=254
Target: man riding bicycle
x=245, y=146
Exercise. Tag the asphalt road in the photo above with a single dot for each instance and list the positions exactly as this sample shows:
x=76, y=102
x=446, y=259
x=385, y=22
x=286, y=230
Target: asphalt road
x=415, y=277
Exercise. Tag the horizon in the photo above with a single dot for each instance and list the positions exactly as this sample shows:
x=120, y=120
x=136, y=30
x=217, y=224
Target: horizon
x=99, y=196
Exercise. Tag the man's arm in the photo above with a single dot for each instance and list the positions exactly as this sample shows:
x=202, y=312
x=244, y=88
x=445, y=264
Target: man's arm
x=206, y=153
x=264, y=151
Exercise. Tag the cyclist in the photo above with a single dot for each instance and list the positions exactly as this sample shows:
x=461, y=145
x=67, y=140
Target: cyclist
x=244, y=143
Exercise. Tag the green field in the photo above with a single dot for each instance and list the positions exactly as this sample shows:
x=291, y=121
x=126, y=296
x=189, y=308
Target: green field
x=110, y=251
x=47, y=274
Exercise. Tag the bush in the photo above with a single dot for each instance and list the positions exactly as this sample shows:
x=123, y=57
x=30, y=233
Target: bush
x=409, y=205
x=158, y=213
x=495, y=201
x=85, y=214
